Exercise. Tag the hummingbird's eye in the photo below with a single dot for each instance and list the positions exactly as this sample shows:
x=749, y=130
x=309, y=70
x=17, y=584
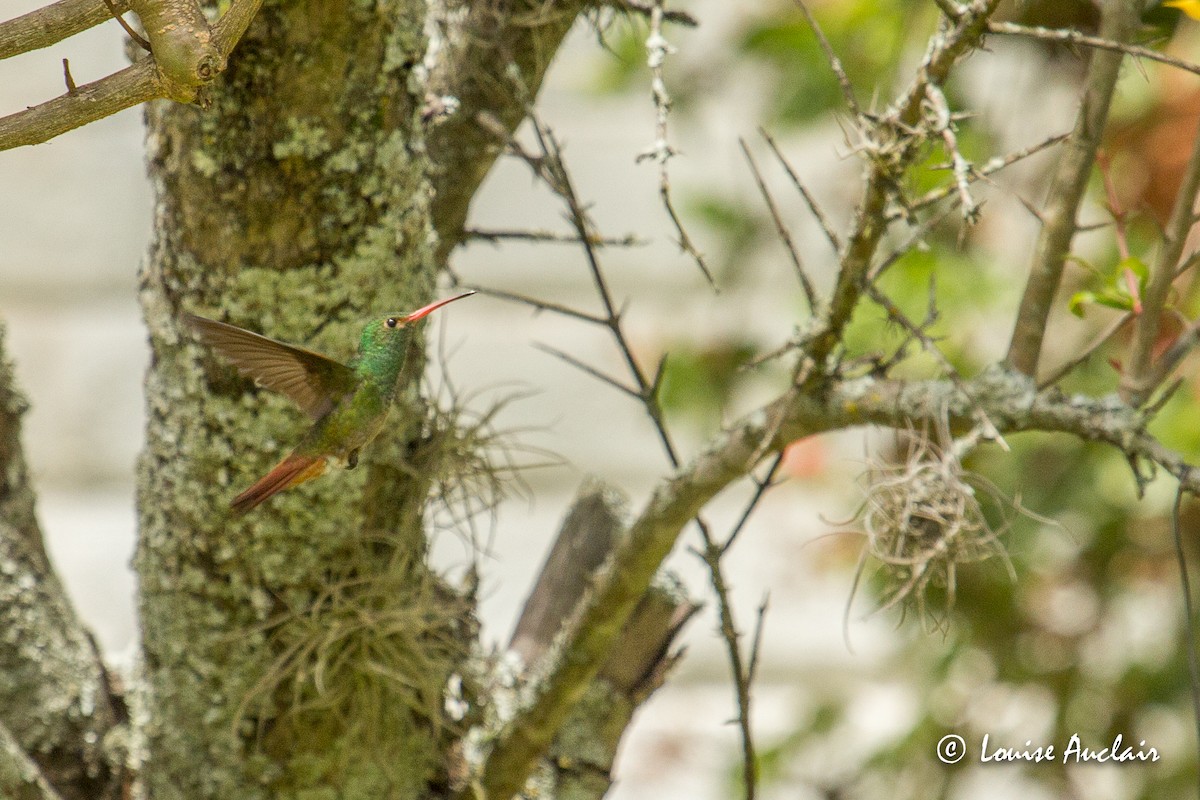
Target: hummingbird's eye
x=392, y=322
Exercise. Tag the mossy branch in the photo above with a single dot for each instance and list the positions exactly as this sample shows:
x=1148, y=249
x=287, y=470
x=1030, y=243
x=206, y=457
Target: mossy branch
x=186, y=55
x=584, y=747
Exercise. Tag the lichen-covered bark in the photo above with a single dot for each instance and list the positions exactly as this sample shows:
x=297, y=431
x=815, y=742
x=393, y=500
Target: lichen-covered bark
x=54, y=694
x=300, y=650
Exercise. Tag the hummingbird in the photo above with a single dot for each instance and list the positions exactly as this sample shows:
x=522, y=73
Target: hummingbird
x=349, y=402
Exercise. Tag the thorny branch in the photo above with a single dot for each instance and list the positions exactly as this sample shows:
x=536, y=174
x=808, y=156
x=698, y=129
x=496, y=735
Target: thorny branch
x=1006, y=397
x=889, y=149
x=658, y=48
x=648, y=394
x=992, y=166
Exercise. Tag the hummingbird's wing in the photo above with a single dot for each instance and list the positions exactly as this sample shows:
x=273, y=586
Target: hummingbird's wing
x=311, y=380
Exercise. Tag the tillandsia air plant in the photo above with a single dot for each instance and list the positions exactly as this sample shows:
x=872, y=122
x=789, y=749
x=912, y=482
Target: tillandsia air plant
x=925, y=514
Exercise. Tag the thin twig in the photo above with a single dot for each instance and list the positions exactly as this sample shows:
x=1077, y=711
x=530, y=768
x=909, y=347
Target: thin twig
x=495, y=236
x=1068, y=36
x=832, y=59
x=589, y=369
x=811, y=202
x=756, y=640
x=550, y=166
x=540, y=305
x=986, y=427
x=785, y=236
x=1168, y=361
x=129, y=31
x=991, y=167
x=559, y=180
x=711, y=555
x=760, y=489
x=657, y=49
x=918, y=233
x=1058, y=374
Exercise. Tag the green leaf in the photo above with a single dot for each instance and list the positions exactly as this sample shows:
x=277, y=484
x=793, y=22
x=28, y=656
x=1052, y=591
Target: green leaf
x=1080, y=301
x=1136, y=266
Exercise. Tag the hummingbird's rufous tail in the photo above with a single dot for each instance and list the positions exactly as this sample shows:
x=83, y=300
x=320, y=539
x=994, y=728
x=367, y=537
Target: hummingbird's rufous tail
x=292, y=471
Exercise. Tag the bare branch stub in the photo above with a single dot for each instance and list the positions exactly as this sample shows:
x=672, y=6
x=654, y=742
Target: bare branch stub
x=585, y=539
x=70, y=81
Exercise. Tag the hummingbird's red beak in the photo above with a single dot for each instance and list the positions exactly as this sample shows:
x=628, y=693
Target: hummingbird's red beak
x=421, y=312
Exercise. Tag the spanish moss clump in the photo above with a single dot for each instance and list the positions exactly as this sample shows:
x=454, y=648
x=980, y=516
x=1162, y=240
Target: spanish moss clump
x=367, y=658
x=923, y=518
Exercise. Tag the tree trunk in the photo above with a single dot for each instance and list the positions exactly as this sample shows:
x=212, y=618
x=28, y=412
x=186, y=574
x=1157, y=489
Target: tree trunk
x=302, y=647
x=56, y=707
